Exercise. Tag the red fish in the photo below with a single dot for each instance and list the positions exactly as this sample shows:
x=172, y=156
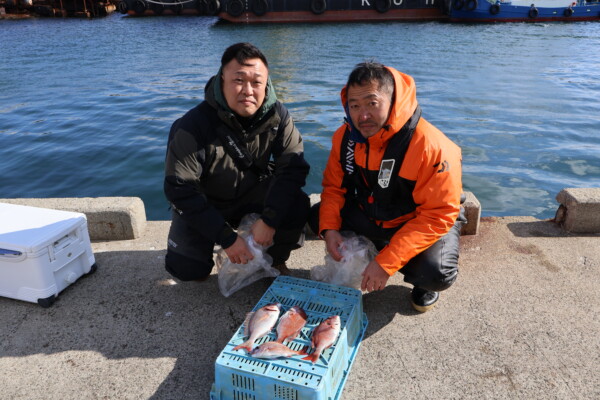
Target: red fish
x=324, y=336
x=290, y=324
x=275, y=350
x=258, y=324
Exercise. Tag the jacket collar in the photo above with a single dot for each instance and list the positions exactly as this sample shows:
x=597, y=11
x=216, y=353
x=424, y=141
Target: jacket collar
x=404, y=104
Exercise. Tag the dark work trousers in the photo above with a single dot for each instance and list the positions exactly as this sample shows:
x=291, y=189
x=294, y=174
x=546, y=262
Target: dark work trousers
x=436, y=268
x=190, y=254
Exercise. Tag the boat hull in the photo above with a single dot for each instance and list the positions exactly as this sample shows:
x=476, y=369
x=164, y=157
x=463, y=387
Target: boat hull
x=141, y=8
x=339, y=16
x=485, y=11
x=289, y=11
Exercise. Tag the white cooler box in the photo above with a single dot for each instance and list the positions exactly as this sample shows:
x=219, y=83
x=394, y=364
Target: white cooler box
x=42, y=251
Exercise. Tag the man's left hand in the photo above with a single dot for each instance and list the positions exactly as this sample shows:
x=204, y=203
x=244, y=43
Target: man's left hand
x=374, y=277
x=262, y=233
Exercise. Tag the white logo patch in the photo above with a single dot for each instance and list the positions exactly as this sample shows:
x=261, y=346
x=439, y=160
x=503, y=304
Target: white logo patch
x=385, y=173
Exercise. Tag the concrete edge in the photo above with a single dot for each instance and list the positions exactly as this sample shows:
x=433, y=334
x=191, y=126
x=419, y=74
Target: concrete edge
x=579, y=210
x=108, y=218
x=124, y=218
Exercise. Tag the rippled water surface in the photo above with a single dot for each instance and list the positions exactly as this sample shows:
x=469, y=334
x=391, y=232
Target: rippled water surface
x=85, y=106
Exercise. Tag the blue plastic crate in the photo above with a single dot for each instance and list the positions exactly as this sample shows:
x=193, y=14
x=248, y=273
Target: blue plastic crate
x=241, y=377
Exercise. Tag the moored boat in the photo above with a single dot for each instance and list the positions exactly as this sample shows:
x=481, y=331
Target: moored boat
x=278, y=11
x=524, y=10
x=140, y=8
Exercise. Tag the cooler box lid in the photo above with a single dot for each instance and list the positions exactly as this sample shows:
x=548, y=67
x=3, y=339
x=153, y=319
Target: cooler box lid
x=25, y=229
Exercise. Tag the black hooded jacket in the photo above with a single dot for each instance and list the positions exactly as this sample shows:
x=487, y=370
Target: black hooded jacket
x=201, y=177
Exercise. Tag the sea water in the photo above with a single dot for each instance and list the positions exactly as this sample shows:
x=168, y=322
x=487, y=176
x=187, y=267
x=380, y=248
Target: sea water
x=86, y=105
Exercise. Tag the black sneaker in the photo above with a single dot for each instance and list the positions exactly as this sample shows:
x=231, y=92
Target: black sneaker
x=423, y=300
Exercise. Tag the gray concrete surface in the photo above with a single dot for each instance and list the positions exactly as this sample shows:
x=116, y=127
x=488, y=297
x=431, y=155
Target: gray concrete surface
x=580, y=210
x=521, y=322
x=109, y=218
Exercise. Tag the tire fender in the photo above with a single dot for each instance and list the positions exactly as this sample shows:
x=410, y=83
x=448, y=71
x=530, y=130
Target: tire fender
x=568, y=12
x=122, y=7
x=318, y=6
x=140, y=7
x=260, y=7
x=471, y=5
x=533, y=12
x=213, y=7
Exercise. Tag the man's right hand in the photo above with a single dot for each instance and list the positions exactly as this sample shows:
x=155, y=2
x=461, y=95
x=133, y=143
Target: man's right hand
x=238, y=252
x=333, y=242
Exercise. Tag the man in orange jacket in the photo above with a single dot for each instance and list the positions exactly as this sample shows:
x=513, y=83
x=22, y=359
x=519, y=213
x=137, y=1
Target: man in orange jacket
x=396, y=179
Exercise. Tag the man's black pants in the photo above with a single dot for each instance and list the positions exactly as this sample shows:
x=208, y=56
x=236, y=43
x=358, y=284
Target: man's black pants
x=436, y=268
x=190, y=254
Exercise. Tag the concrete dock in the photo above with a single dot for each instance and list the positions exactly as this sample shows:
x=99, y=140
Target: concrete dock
x=521, y=322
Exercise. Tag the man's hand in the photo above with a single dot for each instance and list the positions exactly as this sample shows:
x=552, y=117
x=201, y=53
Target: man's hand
x=262, y=233
x=374, y=277
x=333, y=241
x=238, y=252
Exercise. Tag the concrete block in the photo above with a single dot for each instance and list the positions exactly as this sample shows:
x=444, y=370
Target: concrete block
x=579, y=210
x=108, y=218
x=471, y=205
x=473, y=213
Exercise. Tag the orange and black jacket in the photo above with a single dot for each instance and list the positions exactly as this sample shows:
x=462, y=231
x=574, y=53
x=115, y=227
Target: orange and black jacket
x=426, y=190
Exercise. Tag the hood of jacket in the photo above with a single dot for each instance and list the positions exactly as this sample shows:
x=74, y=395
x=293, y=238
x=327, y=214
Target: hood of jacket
x=404, y=104
x=213, y=94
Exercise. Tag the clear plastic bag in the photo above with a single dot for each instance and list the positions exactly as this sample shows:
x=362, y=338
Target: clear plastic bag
x=357, y=253
x=233, y=277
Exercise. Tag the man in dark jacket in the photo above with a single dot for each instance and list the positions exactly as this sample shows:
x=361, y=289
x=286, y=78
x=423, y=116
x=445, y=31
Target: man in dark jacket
x=237, y=152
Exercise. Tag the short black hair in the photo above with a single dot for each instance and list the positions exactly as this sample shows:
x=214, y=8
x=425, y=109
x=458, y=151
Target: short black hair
x=370, y=71
x=242, y=52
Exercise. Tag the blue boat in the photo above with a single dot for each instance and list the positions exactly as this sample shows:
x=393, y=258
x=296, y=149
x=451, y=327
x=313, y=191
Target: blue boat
x=524, y=10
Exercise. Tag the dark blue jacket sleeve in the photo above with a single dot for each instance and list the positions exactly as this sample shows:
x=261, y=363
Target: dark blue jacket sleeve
x=186, y=155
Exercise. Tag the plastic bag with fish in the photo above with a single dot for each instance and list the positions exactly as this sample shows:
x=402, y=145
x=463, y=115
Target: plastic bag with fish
x=233, y=277
x=357, y=252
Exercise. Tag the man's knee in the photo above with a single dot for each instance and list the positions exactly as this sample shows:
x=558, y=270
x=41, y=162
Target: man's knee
x=186, y=268
x=298, y=213
x=430, y=273
x=289, y=236
x=439, y=279
x=189, y=256
x=437, y=267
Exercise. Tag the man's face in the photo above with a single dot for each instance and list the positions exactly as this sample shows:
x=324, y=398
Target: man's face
x=244, y=86
x=369, y=107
